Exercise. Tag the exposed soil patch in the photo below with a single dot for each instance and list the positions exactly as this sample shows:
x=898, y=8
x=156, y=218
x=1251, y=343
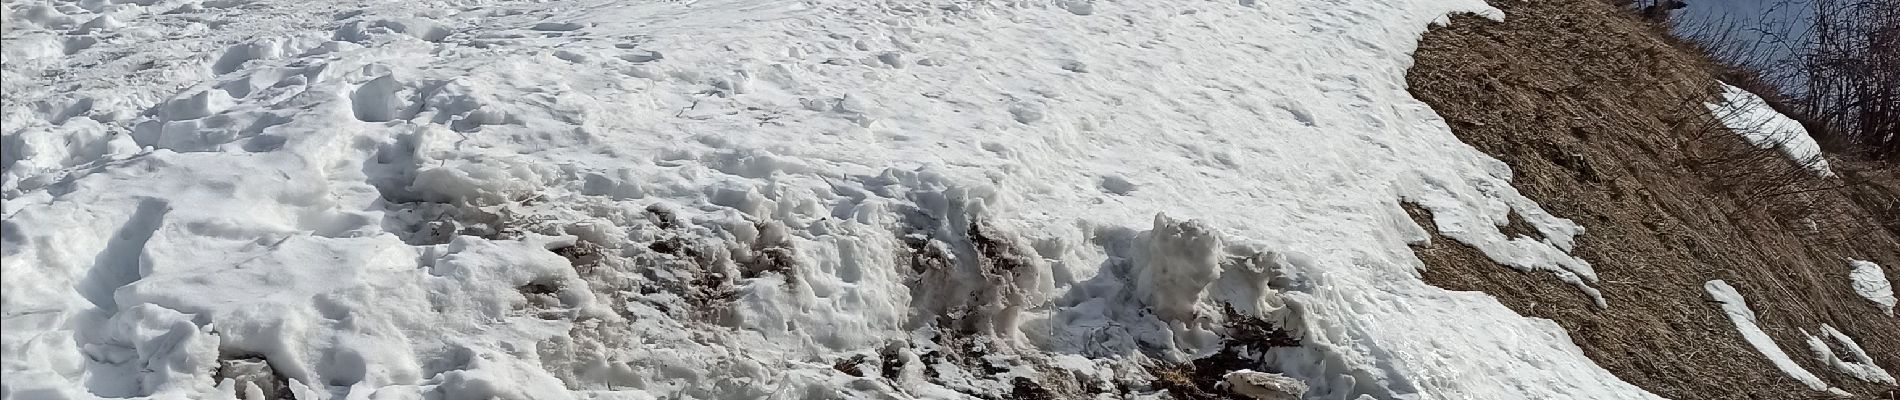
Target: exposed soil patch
x=850, y=366
x=1600, y=117
x=961, y=283
x=583, y=255
x=1027, y=389
x=250, y=371
x=1515, y=227
x=1199, y=379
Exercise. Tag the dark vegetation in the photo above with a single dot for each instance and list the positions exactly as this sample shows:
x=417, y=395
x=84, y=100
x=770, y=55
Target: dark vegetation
x=1834, y=65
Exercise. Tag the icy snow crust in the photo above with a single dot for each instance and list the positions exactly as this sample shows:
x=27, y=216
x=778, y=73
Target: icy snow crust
x=1748, y=115
x=745, y=199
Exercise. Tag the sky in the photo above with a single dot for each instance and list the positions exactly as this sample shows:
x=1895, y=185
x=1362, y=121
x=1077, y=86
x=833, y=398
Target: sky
x=1752, y=21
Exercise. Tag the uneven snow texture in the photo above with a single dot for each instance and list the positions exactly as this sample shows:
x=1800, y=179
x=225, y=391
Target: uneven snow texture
x=745, y=199
x=1861, y=366
x=1738, y=312
x=1748, y=115
x=1264, y=386
x=1871, y=283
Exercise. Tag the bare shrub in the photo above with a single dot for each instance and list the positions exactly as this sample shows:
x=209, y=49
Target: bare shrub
x=1834, y=65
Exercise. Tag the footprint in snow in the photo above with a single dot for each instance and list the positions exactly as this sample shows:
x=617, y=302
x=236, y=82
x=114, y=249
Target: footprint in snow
x=1117, y=185
x=558, y=26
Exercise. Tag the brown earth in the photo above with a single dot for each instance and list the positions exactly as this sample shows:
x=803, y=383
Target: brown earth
x=1600, y=117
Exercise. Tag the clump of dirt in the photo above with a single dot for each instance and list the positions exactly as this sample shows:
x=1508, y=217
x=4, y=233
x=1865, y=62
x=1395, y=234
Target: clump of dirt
x=768, y=256
x=1601, y=117
x=427, y=223
x=701, y=268
x=251, y=370
x=1247, y=337
x=1255, y=334
x=1022, y=388
x=662, y=217
x=545, y=301
x=966, y=352
x=1200, y=379
x=583, y=255
x=966, y=279
x=924, y=255
x=997, y=255
x=890, y=364
x=690, y=272
x=850, y=366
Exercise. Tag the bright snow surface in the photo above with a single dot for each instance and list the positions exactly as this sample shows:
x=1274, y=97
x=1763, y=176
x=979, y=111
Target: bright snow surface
x=1871, y=282
x=745, y=199
x=1748, y=115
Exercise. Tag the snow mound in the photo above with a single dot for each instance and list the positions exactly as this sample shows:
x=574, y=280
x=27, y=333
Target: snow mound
x=747, y=199
x=1748, y=115
x=1871, y=282
x=1738, y=312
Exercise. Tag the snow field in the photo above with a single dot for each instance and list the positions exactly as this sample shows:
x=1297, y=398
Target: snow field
x=745, y=199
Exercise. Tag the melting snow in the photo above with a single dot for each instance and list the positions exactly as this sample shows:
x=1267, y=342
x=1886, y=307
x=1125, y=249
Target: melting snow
x=745, y=199
x=1871, y=283
x=1749, y=115
x=1738, y=312
x=1861, y=366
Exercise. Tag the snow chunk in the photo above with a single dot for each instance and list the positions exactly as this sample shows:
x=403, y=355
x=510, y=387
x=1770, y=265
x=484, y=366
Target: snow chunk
x=1737, y=309
x=1871, y=282
x=1862, y=367
x=1265, y=386
x=485, y=181
x=1749, y=115
x=1181, y=260
x=157, y=350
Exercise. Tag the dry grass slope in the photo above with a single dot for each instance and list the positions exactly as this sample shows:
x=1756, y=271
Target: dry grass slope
x=1600, y=117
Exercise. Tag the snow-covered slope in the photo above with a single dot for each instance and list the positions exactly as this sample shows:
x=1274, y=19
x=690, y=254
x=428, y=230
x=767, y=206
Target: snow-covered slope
x=747, y=199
